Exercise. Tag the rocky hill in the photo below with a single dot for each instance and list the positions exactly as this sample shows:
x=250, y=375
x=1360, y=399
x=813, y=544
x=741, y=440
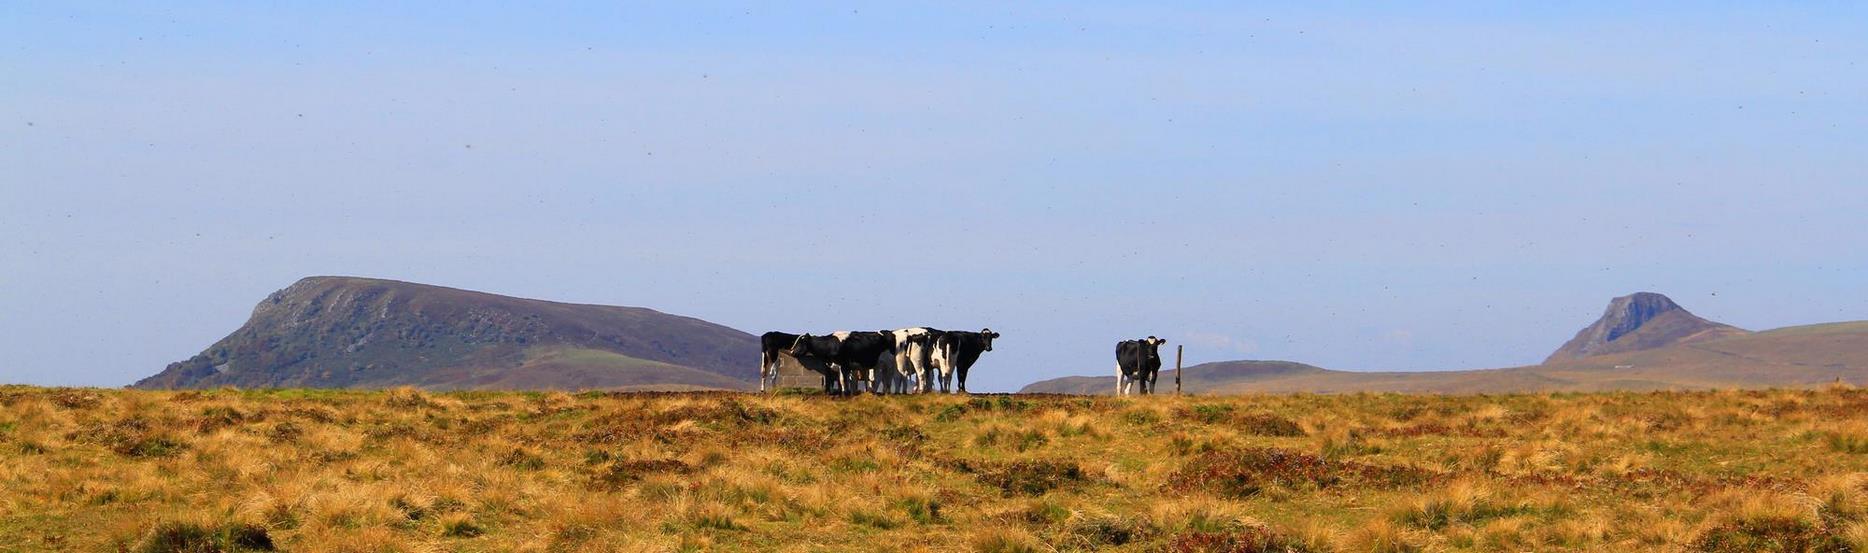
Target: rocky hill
x=1637, y=322
x=344, y=332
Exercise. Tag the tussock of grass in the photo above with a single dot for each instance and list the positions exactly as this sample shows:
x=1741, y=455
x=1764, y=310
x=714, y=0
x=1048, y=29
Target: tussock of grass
x=1846, y=442
x=186, y=537
x=1245, y=540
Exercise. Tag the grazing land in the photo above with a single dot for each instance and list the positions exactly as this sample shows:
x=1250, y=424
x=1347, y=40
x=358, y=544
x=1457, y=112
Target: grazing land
x=1801, y=356
x=405, y=470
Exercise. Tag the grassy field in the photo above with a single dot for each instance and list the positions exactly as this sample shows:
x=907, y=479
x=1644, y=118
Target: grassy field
x=102, y=470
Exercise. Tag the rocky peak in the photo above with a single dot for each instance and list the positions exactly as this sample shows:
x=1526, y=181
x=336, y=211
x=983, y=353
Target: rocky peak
x=1640, y=321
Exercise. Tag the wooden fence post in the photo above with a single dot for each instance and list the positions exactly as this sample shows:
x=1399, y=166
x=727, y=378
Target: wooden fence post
x=1178, y=349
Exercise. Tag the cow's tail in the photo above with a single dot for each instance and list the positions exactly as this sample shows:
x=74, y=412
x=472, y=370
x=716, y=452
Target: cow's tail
x=765, y=367
x=1119, y=379
x=948, y=351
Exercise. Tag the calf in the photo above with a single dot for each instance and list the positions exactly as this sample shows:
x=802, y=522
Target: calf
x=956, y=351
x=1138, y=361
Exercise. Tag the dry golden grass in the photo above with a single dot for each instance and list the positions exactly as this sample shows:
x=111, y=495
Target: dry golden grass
x=404, y=470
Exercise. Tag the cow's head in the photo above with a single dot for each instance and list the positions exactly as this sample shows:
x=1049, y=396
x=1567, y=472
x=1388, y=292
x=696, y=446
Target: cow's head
x=987, y=334
x=797, y=346
x=1154, y=345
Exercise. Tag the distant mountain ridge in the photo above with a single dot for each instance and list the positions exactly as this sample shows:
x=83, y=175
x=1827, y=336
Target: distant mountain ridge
x=1643, y=341
x=349, y=332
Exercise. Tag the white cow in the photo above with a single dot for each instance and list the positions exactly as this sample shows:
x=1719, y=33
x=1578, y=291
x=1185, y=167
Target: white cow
x=914, y=350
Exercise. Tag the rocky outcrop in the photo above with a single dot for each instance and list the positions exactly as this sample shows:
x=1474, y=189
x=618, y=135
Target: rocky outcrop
x=338, y=332
x=1638, y=322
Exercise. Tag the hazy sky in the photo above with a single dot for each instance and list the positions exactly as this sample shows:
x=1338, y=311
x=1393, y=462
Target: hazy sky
x=1356, y=187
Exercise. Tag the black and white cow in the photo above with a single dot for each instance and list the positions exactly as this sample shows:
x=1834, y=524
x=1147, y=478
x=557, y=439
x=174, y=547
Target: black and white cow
x=914, y=358
x=955, y=351
x=775, y=349
x=853, y=355
x=1138, y=361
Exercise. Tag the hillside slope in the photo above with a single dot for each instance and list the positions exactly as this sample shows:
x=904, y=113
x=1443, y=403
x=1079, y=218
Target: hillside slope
x=1641, y=321
x=1203, y=375
x=1792, y=357
x=344, y=332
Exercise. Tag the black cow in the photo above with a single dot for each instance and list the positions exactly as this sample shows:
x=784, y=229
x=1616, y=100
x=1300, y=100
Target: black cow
x=1138, y=361
x=955, y=351
x=853, y=355
x=774, y=347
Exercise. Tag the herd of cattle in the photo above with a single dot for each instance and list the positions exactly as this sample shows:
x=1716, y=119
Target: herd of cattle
x=912, y=360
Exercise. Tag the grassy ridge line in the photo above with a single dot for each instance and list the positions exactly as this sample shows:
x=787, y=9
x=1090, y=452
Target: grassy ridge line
x=403, y=470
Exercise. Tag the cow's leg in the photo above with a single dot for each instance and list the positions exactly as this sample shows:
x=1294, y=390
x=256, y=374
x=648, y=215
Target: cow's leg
x=904, y=365
x=909, y=366
x=961, y=374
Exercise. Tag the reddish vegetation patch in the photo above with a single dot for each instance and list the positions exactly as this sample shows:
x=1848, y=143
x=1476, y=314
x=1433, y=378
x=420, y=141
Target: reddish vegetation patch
x=1768, y=534
x=77, y=399
x=1022, y=477
x=130, y=437
x=1245, y=472
x=1246, y=540
x=796, y=440
x=621, y=473
x=1682, y=481
x=1260, y=424
x=628, y=425
x=1437, y=429
x=1266, y=424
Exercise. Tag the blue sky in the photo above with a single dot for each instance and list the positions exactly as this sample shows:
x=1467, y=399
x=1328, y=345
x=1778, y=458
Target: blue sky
x=1353, y=186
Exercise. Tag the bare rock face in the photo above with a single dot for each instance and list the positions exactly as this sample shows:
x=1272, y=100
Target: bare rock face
x=1641, y=321
x=344, y=332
